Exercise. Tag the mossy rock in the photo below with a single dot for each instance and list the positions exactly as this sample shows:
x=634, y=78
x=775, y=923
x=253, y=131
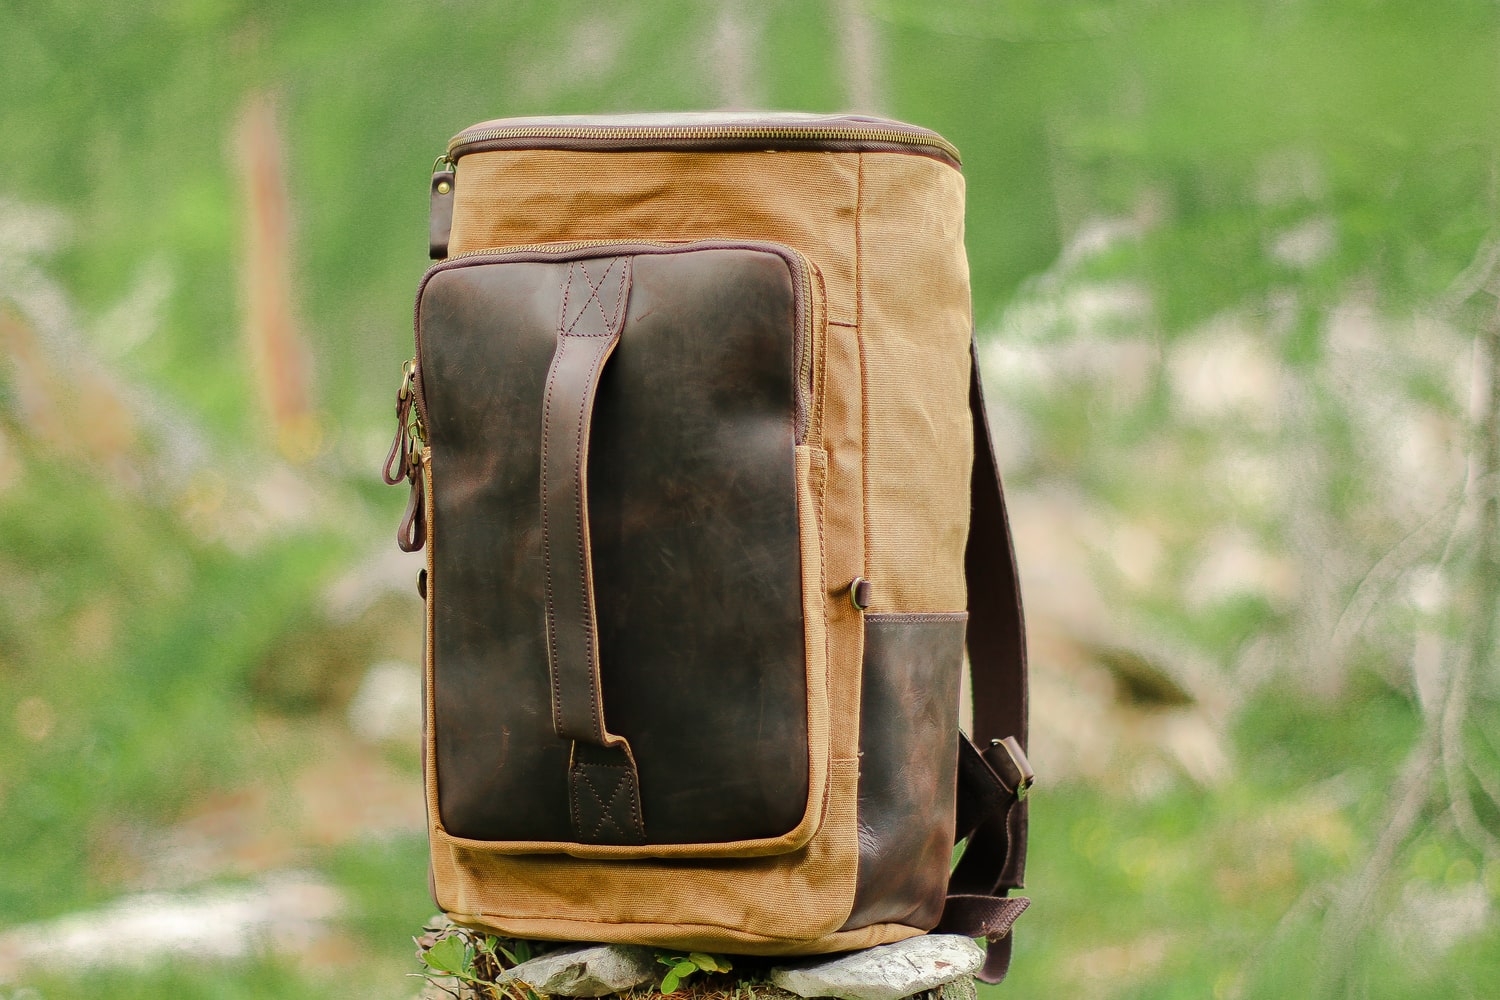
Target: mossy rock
x=463, y=963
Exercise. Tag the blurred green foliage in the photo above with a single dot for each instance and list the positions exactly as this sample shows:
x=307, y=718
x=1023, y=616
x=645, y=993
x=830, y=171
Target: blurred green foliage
x=1273, y=163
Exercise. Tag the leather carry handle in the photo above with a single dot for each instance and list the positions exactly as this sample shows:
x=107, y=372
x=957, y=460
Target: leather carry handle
x=992, y=783
x=604, y=786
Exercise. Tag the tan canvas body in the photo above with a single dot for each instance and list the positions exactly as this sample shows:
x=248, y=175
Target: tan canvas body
x=883, y=494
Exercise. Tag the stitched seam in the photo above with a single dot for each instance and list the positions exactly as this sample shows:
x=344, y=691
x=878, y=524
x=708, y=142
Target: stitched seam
x=859, y=339
x=931, y=616
x=632, y=801
x=554, y=664
x=618, y=322
x=622, y=787
x=578, y=775
x=567, y=288
x=573, y=805
x=588, y=783
x=588, y=279
x=586, y=575
x=623, y=784
x=603, y=316
x=864, y=446
x=594, y=299
x=820, y=504
x=625, y=788
x=575, y=268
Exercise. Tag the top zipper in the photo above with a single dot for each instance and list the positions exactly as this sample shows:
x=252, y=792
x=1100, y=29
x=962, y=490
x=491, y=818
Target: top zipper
x=688, y=133
x=831, y=133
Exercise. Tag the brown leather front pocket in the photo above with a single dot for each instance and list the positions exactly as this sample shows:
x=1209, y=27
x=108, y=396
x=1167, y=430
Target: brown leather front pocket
x=688, y=646
x=908, y=739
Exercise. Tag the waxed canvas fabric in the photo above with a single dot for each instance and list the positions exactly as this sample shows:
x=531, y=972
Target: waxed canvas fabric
x=883, y=495
x=886, y=232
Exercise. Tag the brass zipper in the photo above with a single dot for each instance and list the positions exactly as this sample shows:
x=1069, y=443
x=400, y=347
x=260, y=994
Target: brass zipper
x=547, y=248
x=605, y=137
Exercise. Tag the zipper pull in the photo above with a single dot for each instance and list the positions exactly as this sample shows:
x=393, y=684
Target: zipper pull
x=404, y=461
x=398, y=461
x=412, y=534
x=440, y=207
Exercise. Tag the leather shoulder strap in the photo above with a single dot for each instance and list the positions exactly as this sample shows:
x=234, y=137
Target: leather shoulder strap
x=993, y=781
x=997, y=626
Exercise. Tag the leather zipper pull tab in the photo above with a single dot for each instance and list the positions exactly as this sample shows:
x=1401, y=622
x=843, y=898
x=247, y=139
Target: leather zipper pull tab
x=440, y=207
x=398, y=461
x=412, y=533
x=404, y=461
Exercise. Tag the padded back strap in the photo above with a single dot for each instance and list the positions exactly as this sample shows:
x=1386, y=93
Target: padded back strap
x=992, y=781
x=604, y=787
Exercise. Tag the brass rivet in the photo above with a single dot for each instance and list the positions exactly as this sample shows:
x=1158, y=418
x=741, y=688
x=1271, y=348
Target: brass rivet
x=444, y=187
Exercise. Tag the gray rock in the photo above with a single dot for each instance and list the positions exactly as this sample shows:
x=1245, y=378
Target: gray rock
x=590, y=970
x=885, y=972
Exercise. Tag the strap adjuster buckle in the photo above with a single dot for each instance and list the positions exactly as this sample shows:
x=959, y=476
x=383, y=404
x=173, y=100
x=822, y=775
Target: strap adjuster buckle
x=1026, y=777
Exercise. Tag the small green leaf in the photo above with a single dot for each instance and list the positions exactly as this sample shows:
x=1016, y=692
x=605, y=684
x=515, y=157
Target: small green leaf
x=685, y=968
x=704, y=962
x=669, y=982
x=450, y=955
x=523, y=952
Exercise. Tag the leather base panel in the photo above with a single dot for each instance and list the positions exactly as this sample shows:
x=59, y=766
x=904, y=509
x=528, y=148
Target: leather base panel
x=694, y=543
x=908, y=739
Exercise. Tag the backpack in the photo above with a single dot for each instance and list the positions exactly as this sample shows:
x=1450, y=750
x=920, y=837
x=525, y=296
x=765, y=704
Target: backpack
x=698, y=454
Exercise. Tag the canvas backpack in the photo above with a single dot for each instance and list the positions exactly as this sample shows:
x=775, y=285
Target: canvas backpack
x=698, y=454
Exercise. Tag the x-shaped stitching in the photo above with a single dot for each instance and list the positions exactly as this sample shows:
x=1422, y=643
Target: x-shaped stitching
x=594, y=290
x=606, y=814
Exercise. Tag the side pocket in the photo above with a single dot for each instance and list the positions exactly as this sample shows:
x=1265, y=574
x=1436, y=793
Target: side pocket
x=908, y=738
